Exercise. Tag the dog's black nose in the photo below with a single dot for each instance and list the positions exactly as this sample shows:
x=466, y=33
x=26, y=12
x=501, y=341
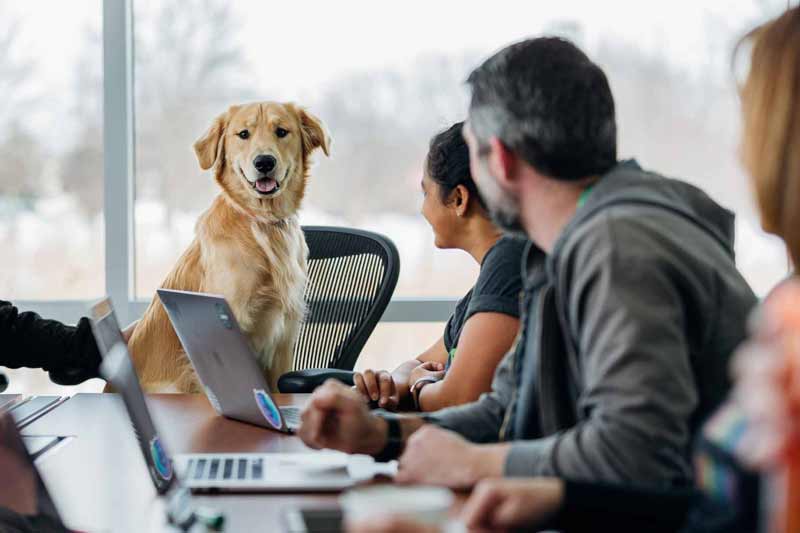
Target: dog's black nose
x=264, y=163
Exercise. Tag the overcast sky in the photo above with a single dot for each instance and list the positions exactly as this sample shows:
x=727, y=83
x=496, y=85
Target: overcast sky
x=302, y=45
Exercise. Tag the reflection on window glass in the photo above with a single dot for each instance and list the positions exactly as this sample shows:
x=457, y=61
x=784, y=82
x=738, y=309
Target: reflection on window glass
x=51, y=157
x=385, y=84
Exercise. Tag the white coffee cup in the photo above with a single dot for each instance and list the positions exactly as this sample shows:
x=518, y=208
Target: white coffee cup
x=422, y=504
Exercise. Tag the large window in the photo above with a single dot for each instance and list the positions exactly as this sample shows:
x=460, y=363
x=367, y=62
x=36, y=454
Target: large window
x=51, y=151
x=384, y=80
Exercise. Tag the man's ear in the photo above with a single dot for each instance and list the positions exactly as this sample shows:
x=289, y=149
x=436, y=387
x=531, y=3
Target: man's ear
x=502, y=163
x=209, y=148
x=314, y=132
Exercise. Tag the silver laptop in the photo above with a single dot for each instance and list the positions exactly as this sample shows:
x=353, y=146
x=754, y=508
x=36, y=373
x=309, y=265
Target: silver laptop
x=263, y=472
x=224, y=361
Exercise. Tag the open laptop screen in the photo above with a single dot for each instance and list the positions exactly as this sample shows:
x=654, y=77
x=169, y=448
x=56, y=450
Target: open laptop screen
x=106, y=328
x=118, y=370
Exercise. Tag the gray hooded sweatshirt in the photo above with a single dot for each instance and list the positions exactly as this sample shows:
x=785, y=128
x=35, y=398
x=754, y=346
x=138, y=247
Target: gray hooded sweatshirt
x=627, y=330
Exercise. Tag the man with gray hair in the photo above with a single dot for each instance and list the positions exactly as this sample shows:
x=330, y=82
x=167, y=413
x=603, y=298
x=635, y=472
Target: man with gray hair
x=632, y=303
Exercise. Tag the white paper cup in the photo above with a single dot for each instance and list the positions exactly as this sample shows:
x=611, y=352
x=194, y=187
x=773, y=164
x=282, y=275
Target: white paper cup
x=426, y=505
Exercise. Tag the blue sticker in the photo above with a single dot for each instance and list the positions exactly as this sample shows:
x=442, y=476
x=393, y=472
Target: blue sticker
x=160, y=459
x=268, y=408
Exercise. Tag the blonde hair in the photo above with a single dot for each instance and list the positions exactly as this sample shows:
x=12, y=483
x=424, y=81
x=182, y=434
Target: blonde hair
x=771, y=115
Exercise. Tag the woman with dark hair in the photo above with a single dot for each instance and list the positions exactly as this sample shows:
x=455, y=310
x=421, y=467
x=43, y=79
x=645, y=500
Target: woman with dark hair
x=459, y=366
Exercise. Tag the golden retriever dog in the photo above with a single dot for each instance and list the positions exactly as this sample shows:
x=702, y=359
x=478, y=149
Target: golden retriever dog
x=248, y=245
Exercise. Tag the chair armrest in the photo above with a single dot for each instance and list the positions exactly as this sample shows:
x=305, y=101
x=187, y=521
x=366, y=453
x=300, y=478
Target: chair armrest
x=304, y=381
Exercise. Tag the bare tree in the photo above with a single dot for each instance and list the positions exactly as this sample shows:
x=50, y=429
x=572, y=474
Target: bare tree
x=189, y=68
x=21, y=165
x=381, y=123
x=20, y=157
x=186, y=71
x=82, y=164
x=17, y=89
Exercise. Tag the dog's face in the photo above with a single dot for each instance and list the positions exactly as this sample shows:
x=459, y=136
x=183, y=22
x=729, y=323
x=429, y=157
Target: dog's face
x=261, y=152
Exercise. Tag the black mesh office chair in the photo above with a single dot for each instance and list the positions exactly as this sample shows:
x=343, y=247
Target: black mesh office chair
x=351, y=277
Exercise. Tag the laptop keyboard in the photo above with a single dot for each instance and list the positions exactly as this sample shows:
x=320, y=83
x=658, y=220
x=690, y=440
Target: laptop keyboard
x=292, y=416
x=225, y=469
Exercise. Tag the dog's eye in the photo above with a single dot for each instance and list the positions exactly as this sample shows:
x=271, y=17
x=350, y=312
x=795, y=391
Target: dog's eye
x=244, y=134
x=281, y=133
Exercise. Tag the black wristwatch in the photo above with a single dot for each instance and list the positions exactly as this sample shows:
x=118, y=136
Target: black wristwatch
x=394, y=441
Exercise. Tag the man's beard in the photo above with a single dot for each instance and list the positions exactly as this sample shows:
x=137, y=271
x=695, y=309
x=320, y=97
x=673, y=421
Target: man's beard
x=503, y=208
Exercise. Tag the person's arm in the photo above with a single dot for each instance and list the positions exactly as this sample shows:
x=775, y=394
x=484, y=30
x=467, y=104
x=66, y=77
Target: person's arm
x=484, y=340
x=390, y=390
x=552, y=503
x=639, y=392
x=356, y=429
x=437, y=353
x=480, y=421
x=336, y=417
x=68, y=353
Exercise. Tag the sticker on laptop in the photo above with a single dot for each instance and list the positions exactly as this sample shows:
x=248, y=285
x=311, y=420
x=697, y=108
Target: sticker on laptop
x=268, y=408
x=160, y=459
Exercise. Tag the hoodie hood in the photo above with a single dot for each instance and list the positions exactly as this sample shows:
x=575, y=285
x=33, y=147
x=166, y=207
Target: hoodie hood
x=627, y=183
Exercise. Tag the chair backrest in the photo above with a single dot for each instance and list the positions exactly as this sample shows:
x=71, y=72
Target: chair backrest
x=351, y=277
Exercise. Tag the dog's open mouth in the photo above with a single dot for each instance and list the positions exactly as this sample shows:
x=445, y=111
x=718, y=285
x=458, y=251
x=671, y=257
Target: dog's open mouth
x=266, y=186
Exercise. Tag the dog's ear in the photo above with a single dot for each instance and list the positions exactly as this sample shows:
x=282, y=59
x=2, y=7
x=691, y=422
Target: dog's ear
x=315, y=134
x=210, y=147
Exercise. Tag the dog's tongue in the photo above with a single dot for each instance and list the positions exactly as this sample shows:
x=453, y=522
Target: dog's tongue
x=266, y=185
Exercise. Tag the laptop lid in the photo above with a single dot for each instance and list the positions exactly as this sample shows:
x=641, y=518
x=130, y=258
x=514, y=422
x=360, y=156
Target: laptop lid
x=222, y=357
x=105, y=326
x=117, y=369
x=25, y=503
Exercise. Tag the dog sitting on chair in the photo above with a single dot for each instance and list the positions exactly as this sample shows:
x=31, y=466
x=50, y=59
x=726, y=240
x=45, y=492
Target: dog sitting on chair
x=248, y=245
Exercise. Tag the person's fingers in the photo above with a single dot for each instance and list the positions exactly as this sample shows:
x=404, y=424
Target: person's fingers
x=310, y=426
x=394, y=396
x=507, y=513
x=478, y=511
x=372, y=385
x=388, y=524
x=361, y=387
x=386, y=384
x=392, y=403
x=437, y=375
x=332, y=395
x=408, y=470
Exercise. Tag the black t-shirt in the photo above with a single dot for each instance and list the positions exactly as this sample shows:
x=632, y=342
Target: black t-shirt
x=497, y=289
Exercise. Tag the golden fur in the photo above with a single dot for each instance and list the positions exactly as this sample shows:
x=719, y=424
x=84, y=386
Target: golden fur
x=247, y=247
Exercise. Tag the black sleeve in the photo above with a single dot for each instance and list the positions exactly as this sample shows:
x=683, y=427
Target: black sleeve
x=499, y=283
x=597, y=506
x=68, y=353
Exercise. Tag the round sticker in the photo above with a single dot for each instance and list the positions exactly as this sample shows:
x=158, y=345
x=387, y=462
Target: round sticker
x=268, y=408
x=160, y=460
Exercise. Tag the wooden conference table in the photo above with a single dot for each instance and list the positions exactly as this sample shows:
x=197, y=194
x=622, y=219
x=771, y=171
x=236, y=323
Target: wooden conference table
x=99, y=481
